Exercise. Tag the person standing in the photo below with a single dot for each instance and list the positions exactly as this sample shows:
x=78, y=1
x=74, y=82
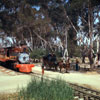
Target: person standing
x=77, y=65
x=67, y=65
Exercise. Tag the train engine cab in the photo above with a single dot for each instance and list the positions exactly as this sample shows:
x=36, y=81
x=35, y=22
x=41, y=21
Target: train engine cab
x=16, y=58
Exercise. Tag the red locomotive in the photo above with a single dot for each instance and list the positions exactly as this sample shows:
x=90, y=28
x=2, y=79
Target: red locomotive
x=16, y=58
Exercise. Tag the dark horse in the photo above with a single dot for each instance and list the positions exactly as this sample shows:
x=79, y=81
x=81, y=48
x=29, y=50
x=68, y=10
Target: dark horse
x=50, y=61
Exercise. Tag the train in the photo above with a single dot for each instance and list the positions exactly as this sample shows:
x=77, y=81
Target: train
x=16, y=58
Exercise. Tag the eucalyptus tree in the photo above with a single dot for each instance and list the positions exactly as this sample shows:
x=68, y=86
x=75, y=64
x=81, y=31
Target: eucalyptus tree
x=55, y=19
x=90, y=19
x=21, y=20
x=61, y=22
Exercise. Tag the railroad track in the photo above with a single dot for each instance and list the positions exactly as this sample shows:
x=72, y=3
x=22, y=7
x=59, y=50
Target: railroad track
x=80, y=92
x=85, y=93
x=9, y=72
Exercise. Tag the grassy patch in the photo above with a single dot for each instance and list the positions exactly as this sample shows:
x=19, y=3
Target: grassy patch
x=46, y=90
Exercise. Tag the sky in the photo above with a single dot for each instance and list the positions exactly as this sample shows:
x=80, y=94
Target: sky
x=7, y=40
x=36, y=7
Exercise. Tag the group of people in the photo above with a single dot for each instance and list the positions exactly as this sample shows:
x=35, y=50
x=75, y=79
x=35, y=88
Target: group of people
x=94, y=59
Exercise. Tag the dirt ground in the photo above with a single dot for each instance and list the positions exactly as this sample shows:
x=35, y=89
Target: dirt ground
x=12, y=83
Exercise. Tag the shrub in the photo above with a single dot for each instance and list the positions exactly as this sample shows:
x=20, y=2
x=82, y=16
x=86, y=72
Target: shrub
x=46, y=90
x=37, y=53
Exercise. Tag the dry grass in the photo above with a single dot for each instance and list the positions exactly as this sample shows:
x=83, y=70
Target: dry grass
x=9, y=96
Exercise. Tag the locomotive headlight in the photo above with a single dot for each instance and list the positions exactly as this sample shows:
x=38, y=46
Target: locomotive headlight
x=23, y=58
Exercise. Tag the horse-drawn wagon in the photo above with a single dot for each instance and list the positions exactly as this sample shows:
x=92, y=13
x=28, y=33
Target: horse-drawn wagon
x=50, y=62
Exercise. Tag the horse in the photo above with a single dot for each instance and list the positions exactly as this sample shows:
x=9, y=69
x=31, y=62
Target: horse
x=64, y=66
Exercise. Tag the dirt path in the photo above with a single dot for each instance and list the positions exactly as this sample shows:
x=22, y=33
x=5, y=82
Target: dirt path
x=12, y=83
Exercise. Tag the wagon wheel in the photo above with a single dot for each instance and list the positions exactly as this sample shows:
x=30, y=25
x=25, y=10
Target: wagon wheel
x=46, y=66
x=56, y=68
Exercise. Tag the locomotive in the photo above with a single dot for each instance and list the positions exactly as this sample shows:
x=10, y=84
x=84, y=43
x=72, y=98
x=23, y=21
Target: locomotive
x=16, y=58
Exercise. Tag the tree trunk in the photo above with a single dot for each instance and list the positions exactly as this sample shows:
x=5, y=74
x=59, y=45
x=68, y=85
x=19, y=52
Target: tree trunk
x=97, y=51
x=90, y=23
x=31, y=39
x=98, y=46
x=65, y=56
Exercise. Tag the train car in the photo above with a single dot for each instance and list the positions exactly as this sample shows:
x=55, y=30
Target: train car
x=16, y=58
